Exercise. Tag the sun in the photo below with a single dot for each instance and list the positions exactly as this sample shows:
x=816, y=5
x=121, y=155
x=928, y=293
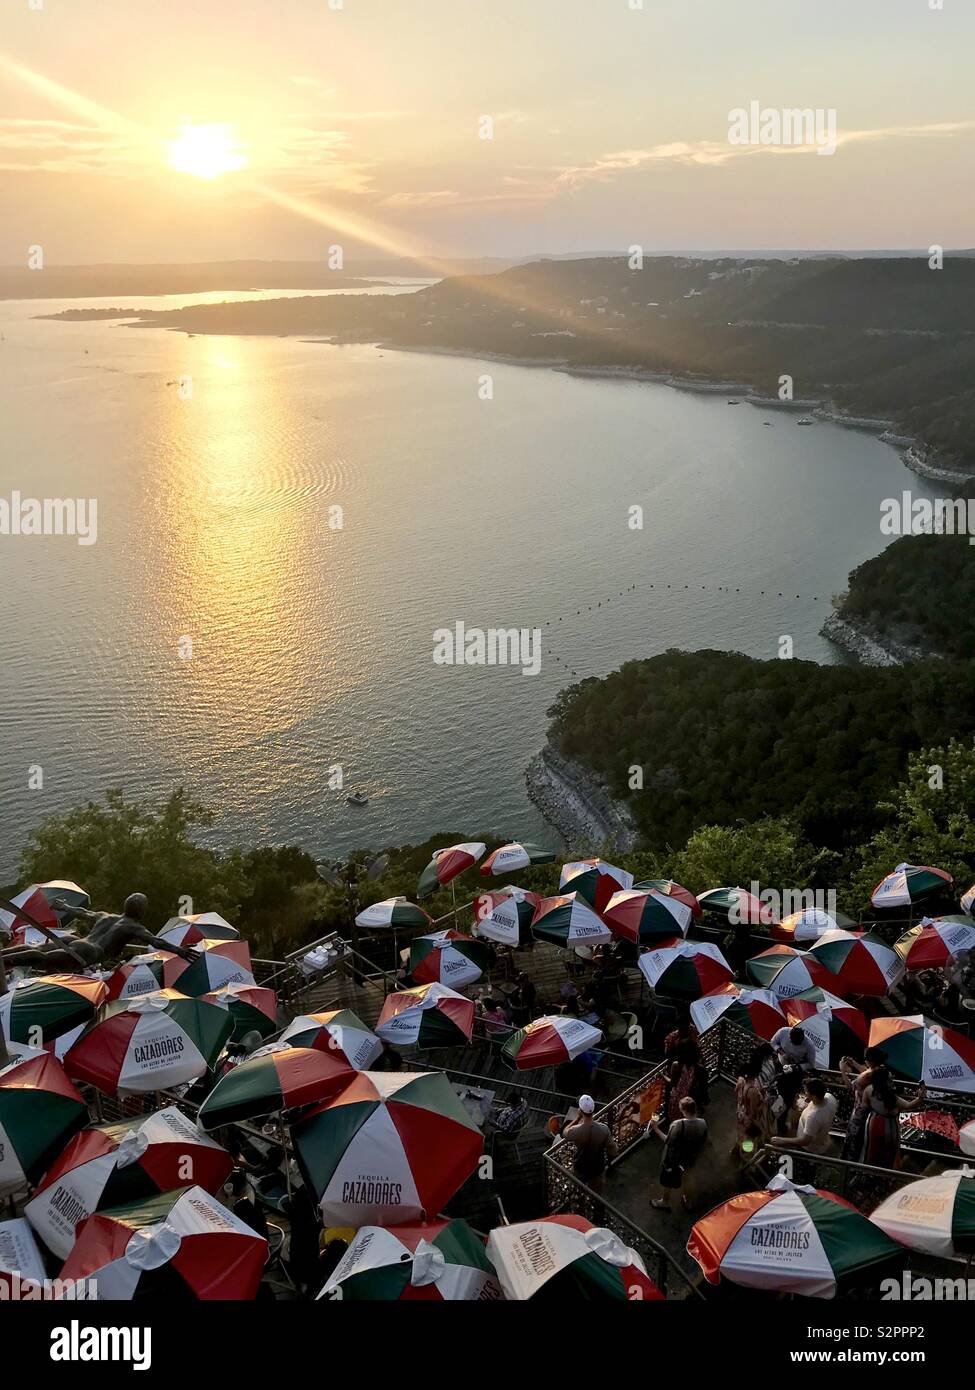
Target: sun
x=206, y=151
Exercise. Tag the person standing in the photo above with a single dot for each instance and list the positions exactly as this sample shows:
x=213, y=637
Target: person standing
x=683, y=1144
x=595, y=1146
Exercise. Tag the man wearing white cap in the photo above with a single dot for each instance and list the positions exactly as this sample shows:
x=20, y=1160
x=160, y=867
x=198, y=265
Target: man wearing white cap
x=595, y=1145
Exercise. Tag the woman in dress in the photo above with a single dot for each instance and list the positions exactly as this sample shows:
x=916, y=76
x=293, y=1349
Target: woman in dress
x=751, y=1109
x=858, y=1076
x=881, y=1129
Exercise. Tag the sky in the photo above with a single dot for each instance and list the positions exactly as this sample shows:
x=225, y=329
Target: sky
x=359, y=123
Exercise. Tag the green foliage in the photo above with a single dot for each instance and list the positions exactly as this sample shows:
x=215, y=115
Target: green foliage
x=920, y=590
x=772, y=852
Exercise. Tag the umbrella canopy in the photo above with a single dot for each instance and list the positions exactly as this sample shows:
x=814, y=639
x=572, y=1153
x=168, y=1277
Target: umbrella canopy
x=253, y=1009
x=447, y=864
x=117, y=1165
x=505, y=916
x=393, y=913
x=145, y=974
x=756, y=1010
x=785, y=971
x=935, y=1216
x=339, y=1031
x=426, y=1016
x=922, y=1051
x=509, y=858
x=594, y=880
x=738, y=905
x=202, y=926
x=37, y=900
x=569, y=921
x=39, y=1112
x=20, y=1259
x=49, y=1011
x=685, y=969
x=448, y=958
x=670, y=889
x=856, y=964
x=966, y=1138
x=393, y=1148
x=645, y=916
x=796, y=1239
x=549, y=1041
x=444, y=1262
x=568, y=1259
x=907, y=884
x=275, y=1078
x=935, y=941
x=835, y=1028
x=175, y=1246
x=809, y=925
x=219, y=963
x=968, y=901
x=149, y=1044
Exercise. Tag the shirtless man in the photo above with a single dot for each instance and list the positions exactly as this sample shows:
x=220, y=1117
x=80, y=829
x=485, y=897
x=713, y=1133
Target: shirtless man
x=108, y=934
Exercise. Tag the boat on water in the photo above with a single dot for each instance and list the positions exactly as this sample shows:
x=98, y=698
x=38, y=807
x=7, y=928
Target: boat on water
x=805, y=420
x=734, y=402
x=357, y=799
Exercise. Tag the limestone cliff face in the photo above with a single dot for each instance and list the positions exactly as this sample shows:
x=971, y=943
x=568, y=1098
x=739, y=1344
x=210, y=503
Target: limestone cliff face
x=578, y=804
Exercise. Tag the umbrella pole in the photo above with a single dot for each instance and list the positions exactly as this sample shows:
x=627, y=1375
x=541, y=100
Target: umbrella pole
x=4, y=1054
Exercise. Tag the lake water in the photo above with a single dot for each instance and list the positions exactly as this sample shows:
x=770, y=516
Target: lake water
x=313, y=646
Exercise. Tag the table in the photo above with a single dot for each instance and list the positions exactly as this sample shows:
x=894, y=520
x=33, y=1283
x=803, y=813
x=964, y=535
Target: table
x=476, y=1101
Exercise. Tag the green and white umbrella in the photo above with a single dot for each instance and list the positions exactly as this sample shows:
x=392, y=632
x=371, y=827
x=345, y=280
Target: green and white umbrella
x=202, y=926
x=685, y=969
x=785, y=971
x=444, y=1262
x=426, y=1016
x=566, y=1259
x=935, y=1216
x=921, y=1050
x=39, y=1112
x=393, y=914
x=219, y=963
x=907, y=884
x=567, y=920
x=594, y=880
x=49, y=1012
x=505, y=916
x=645, y=917
x=275, y=1078
x=253, y=1009
x=22, y=1269
x=339, y=1030
x=510, y=858
x=448, y=958
x=448, y=864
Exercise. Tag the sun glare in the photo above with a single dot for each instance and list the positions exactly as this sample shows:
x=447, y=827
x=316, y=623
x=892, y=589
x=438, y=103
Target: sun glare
x=206, y=151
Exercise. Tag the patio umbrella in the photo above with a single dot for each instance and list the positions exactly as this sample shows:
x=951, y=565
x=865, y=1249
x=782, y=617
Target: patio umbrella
x=935, y=941
x=149, y=1044
x=39, y=1112
x=37, y=900
x=202, y=926
x=444, y=1262
x=393, y=1148
x=966, y=1138
x=796, y=1239
x=253, y=1009
x=784, y=970
x=448, y=864
x=569, y=921
x=670, y=889
x=426, y=1016
x=968, y=901
x=20, y=1261
x=809, y=925
x=923, y=1051
x=49, y=1011
x=172, y=1247
x=738, y=905
x=145, y=974
x=755, y=1010
x=594, y=881
x=448, y=958
x=275, y=1078
x=835, y=1028
x=393, y=913
x=855, y=964
x=219, y=963
x=907, y=884
x=340, y=1031
x=685, y=969
x=509, y=858
x=569, y=1260
x=505, y=916
x=935, y=1216
x=549, y=1041
x=119, y=1164
x=645, y=916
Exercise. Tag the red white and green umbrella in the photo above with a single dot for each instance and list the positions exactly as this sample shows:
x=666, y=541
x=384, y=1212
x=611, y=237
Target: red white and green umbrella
x=36, y=900
x=685, y=969
x=935, y=1216
x=567, y=920
x=796, y=1239
x=49, y=1012
x=117, y=1165
x=392, y=1148
x=339, y=1031
x=393, y=914
x=219, y=963
x=809, y=925
x=275, y=1078
x=177, y=1245
x=506, y=915
x=594, y=881
x=935, y=941
x=510, y=858
x=738, y=905
x=568, y=1259
x=644, y=916
x=785, y=971
x=426, y=1016
x=835, y=1028
x=755, y=1010
x=966, y=1138
x=855, y=964
x=907, y=884
x=253, y=1009
x=942, y=1058
x=145, y=974
x=149, y=1044
x=447, y=864
x=670, y=889
x=448, y=958
x=444, y=1262
x=968, y=901
x=21, y=1263
x=202, y=926
x=39, y=1112
x=550, y=1041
